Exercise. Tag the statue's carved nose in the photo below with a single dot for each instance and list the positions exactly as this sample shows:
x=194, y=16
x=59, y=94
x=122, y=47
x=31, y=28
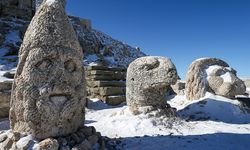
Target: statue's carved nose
x=59, y=100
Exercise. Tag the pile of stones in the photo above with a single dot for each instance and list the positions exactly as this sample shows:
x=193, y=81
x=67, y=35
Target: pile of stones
x=84, y=139
x=107, y=84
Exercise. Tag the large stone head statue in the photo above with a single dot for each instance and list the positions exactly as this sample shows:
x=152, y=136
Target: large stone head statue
x=49, y=89
x=148, y=79
x=212, y=75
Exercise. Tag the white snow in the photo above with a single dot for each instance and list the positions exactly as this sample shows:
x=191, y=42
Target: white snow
x=24, y=141
x=2, y=78
x=227, y=77
x=213, y=122
x=216, y=121
x=210, y=69
x=50, y=2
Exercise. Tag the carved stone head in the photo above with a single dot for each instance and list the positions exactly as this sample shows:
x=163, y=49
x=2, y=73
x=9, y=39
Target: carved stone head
x=215, y=76
x=49, y=92
x=148, y=79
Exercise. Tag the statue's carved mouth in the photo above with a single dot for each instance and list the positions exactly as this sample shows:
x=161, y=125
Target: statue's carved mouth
x=59, y=99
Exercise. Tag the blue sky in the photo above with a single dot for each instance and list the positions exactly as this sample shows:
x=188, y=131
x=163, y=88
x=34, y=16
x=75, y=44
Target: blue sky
x=182, y=30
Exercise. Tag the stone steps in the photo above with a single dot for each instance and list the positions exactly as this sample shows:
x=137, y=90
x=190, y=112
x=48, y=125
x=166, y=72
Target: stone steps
x=106, y=91
x=107, y=84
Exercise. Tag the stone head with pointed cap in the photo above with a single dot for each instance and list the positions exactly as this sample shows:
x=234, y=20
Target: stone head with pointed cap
x=49, y=92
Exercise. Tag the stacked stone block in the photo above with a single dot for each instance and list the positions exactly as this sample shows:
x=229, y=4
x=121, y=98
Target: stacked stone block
x=107, y=84
x=23, y=9
x=5, y=93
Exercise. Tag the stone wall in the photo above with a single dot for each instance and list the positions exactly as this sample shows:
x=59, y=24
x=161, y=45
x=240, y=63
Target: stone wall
x=107, y=84
x=23, y=9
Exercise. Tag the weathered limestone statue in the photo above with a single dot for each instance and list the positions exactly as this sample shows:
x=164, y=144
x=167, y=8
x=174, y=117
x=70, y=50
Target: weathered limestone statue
x=49, y=90
x=212, y=75
x=148, y=79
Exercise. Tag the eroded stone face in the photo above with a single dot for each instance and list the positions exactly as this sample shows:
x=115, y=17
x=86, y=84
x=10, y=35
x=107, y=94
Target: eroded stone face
x=148, y=79
x=224, y=81
x=49, y=91
x=215, y=76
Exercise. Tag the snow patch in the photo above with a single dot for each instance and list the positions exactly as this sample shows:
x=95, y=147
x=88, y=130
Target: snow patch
x=50, y=2
x=227, y=77
x=210, y=69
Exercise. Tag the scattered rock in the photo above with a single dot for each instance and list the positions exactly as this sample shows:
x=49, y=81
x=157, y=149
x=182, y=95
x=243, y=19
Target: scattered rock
x=49, y=144
x=9, y=74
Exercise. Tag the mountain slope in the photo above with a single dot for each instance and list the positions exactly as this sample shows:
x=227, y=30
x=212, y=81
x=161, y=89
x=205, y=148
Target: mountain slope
x=98, y=47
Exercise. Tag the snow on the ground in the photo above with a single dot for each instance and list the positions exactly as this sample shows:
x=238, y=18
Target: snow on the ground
x=213, y=122
x=2, y=78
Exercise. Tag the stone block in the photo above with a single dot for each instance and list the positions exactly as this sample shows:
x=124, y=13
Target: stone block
x=108, y=91
x=106, y=83
x=114, y=77
x=6, y=85
x=114, y=100
x=104, y=68
x=4, y=104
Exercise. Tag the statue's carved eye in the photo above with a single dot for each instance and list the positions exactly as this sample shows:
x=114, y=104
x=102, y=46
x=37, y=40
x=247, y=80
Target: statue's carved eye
x=220, y=72
x=70, y=66
x=44, y=65
x=171, y=73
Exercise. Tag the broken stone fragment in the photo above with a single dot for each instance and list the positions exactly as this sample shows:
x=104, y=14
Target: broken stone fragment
x=49, y=144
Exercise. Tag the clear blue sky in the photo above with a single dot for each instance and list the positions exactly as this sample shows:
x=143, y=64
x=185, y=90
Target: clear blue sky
x=182, y=30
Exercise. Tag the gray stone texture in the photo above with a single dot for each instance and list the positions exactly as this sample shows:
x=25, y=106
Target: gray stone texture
x=49, y=93
x=148, y=79
x=5, y=94
x=106, y=83
x=84, y=138
x=22, y=9
x=198, y=84
x=179, y=87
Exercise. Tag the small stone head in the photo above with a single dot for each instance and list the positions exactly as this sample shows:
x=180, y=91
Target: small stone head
x=215, y=76
x=49, y=90
x=147, y=81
